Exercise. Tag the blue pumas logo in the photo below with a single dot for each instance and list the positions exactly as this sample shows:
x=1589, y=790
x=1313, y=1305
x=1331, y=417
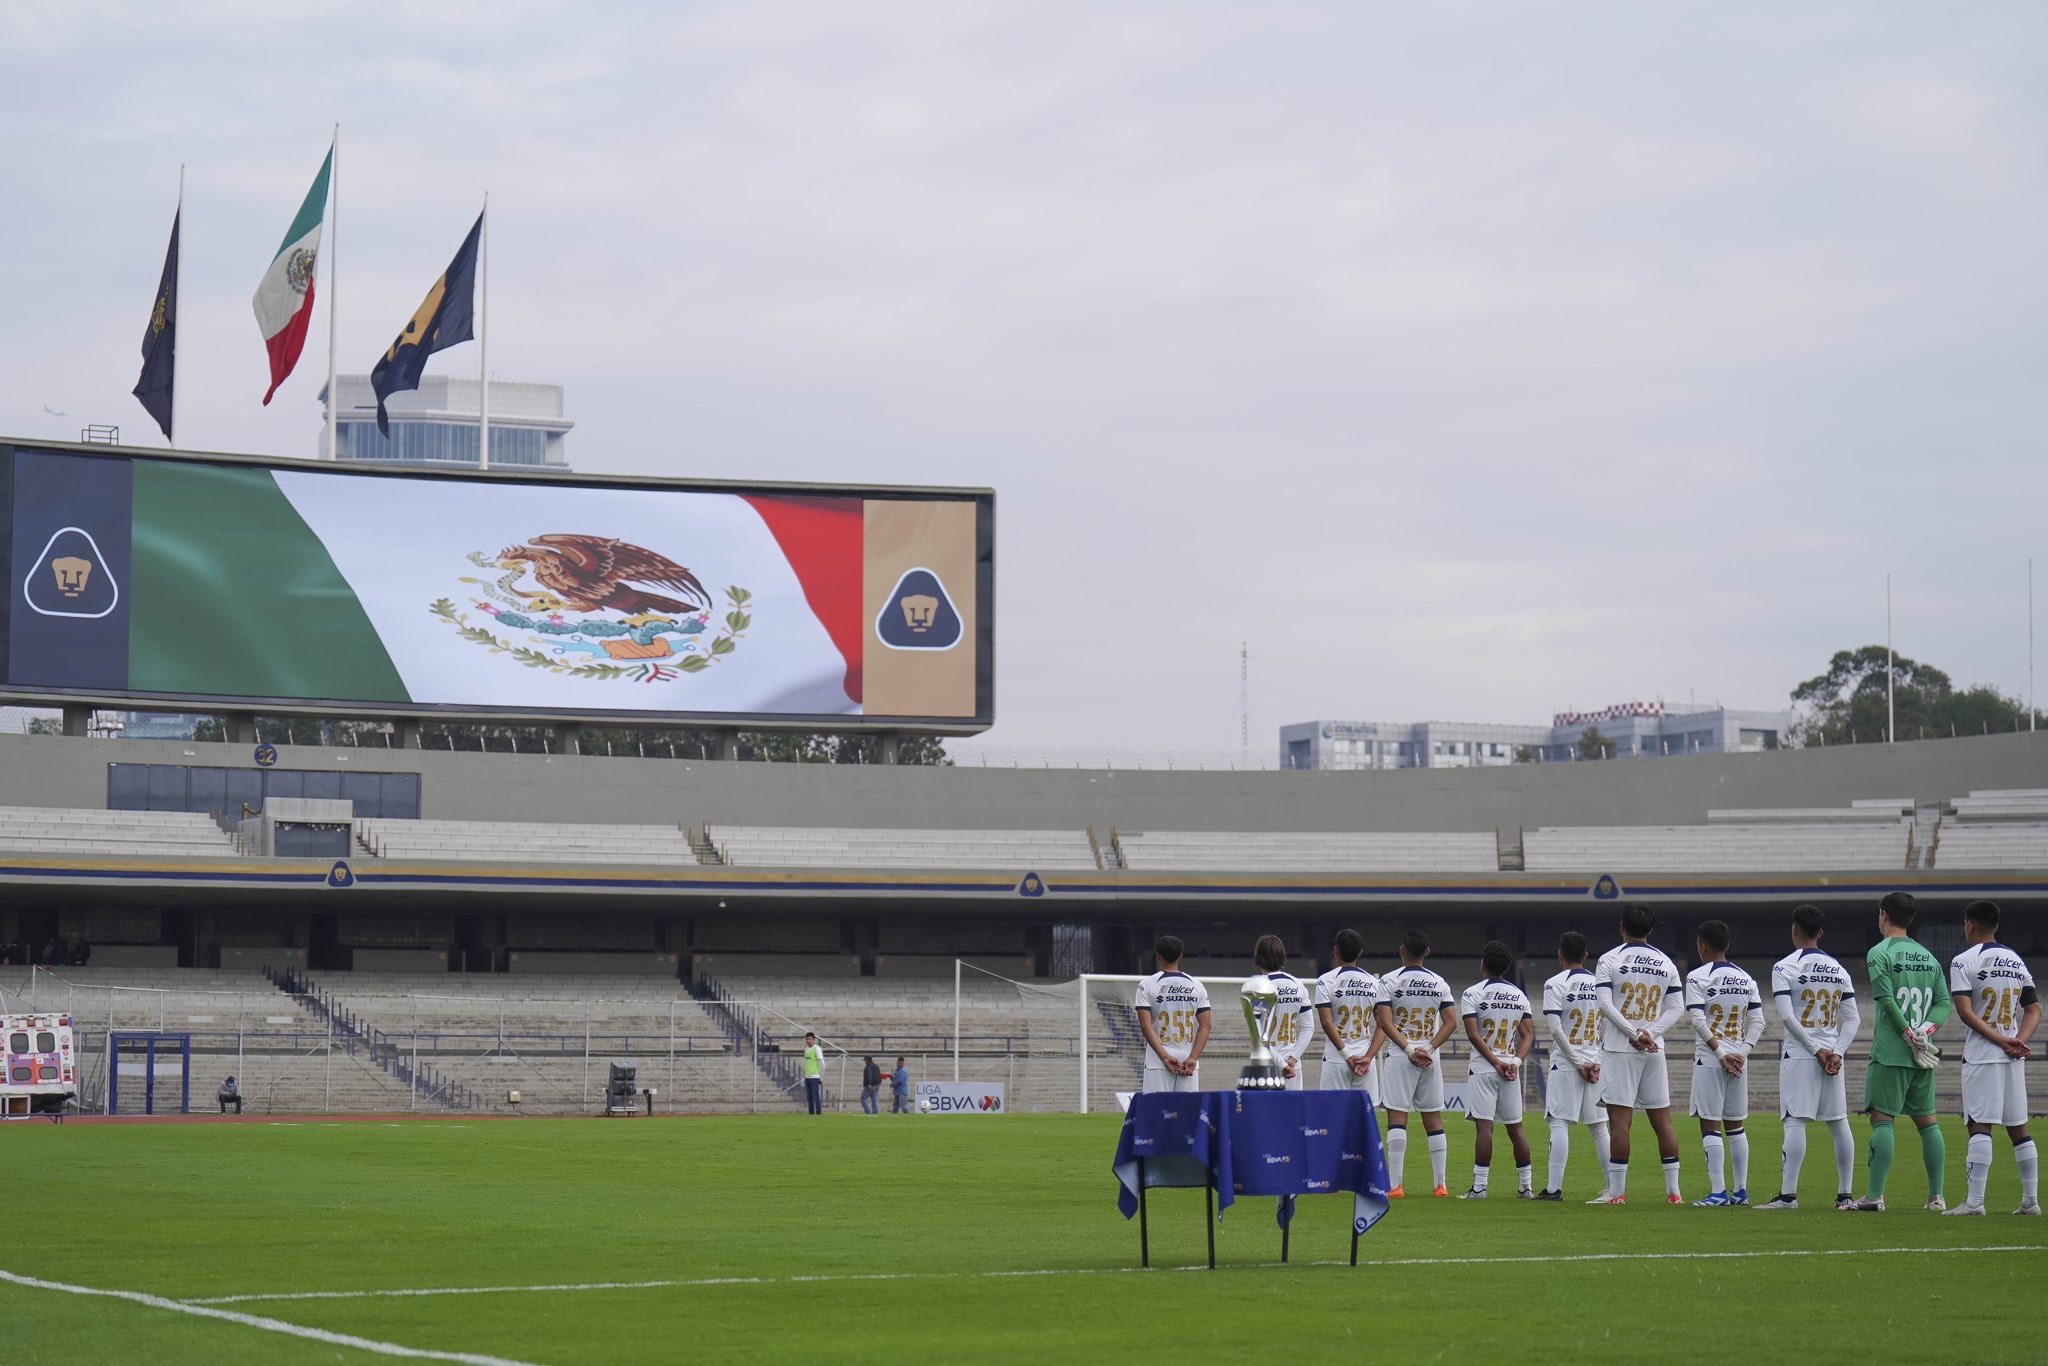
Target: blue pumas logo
x=70, y=578
x=340, y=876
x=1031, y=885
x=919, y=614
x=1606, y=889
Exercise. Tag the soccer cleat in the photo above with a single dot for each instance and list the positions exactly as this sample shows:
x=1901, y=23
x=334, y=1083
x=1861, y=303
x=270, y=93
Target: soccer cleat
x=1844, y=1200
x=1674, y=1198
x=1864, y=1206
x=1558, y=1197
x=1781, y=1202
x=1740, y=1197
x=1967, y=1207
x=1397, y=1194
x=1474, y=1194
x=1608, y=1200
x=1716, y=1200
x=1937, y=1205
x=1442, y=1192
x=2031, y=1207
x=1525, y=1194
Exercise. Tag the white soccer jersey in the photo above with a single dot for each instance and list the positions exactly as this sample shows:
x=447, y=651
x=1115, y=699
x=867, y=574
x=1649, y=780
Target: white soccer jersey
x=1177, y=1002
x=1725, y=1007
x=1417, y=997
x=1640, y=977
x=1574, y=1002
x=1297, y=1022
x=1814, y=985
x=1993, y=977
x=1350, y=992
x=1499, y=1006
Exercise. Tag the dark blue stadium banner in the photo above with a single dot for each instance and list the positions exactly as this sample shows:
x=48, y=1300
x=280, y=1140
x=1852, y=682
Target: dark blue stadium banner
x=171, y=579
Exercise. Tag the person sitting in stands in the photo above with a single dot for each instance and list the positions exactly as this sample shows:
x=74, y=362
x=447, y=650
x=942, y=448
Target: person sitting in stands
x=230, y=1094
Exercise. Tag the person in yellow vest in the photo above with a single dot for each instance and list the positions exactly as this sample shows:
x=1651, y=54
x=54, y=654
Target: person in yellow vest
x=814, y=1075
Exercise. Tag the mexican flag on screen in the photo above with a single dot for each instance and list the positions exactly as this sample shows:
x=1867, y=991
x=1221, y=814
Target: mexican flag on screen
x=284, y=301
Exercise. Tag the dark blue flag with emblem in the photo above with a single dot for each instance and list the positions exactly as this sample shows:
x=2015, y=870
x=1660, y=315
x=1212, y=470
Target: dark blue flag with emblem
x=157, y=386
x=446, y=317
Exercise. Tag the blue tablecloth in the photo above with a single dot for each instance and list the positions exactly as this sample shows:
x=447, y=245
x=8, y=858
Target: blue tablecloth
x=1284, y=1143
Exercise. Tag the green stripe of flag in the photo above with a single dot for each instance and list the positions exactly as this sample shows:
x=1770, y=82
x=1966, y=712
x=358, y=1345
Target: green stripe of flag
x=233, y=595
x=313, y=210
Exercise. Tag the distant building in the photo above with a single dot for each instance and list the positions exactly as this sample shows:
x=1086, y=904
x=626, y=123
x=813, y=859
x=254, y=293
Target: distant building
x=436, y=424
x=157, y=725
x=1636, y=729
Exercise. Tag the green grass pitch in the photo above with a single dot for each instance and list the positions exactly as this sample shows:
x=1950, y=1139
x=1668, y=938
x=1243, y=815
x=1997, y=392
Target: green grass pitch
x=848, y=1238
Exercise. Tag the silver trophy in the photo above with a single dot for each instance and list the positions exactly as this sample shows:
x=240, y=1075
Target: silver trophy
x=1261, y=1001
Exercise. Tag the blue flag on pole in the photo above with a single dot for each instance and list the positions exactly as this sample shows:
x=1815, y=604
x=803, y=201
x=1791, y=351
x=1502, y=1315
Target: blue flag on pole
x=445, y=318
x=157, y=385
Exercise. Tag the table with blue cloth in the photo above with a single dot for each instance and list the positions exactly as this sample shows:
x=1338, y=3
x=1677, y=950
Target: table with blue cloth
x=1232, y=1143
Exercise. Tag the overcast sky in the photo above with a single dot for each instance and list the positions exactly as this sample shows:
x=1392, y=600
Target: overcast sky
x=1470, y=362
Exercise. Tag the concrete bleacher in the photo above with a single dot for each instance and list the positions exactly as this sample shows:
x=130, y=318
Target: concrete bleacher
x=64, y=830
x=1343, y=851
x=498, y=841
x=1711, y=848
x=1995, y=829
x=764, y=846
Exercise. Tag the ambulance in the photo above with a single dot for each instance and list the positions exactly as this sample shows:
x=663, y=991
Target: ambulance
x=41, y=1066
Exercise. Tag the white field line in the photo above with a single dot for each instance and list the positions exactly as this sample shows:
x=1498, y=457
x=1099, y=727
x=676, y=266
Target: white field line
x=579, y=1287
x=389, y=1349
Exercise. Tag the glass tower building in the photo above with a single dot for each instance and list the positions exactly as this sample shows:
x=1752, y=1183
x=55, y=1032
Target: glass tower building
x=436, y=424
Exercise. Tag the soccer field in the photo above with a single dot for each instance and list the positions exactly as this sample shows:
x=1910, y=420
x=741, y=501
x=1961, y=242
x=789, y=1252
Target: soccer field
x=847, y=1238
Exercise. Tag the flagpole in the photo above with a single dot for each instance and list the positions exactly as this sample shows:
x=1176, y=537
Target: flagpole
x=333, y=286
x=2030, y=642
x=483, y=363
x=177, y=305
x=1888, y=672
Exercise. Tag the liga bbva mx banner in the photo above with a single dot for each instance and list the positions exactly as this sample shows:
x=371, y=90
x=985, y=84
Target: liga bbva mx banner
x=215, y=580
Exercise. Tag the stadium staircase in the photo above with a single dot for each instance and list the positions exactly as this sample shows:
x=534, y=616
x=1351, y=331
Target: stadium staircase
x=1130, y=1044
x=385, y=1051
x=706, y=851
x=739, y=1025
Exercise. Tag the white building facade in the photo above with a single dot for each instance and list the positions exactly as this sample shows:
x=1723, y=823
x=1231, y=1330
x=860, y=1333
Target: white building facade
x=438, y=424
x=1634, y=729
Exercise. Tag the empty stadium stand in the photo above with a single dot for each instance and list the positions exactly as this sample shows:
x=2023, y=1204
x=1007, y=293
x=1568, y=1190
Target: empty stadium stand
x=1994, y=829
x=496, y=841
x=1342, y=851
x=1709, y=848
x=762, y=846
x=54, y=830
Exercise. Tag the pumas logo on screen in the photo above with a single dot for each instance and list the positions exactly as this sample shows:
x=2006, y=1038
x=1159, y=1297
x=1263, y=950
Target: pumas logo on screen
x=919, y=614
x=70, y=578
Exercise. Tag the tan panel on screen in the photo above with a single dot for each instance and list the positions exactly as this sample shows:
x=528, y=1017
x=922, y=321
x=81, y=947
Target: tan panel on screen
x=902, y=536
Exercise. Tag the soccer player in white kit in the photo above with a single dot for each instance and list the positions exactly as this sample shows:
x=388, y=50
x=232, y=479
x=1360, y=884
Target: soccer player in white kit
x=1416, y=1014
x=1728, y=1018
x=1496, y=1015
x=1173, y=1015
x=1290, y=1035
x=1571, y=1011
x=1345, y=999
x=1641, y=997
x=1816, y=1000
x=1995, y=999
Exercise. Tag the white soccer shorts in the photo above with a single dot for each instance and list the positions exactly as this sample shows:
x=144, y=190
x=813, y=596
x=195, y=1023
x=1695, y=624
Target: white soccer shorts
x=1570, y=1097
x=1995, y=1092
x=1411, y=1088
x=1637, y=1080
x=1487, y=1096
x=1159, y=1079
x=1337, y=1076
x=1715, y=1094
x=1806, y=1092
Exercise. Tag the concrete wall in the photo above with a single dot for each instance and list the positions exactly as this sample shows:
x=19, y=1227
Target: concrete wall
x=59, y=771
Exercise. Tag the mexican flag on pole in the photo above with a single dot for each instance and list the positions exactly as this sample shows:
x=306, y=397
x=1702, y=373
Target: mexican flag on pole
x=284, y=301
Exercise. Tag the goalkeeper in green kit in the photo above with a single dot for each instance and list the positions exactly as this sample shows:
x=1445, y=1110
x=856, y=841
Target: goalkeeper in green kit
x=1912, y=999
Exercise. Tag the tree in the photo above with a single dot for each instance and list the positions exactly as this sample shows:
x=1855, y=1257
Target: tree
x=1526, y=754
x=1846, y=704
x=1594, y=745
x=44, y=725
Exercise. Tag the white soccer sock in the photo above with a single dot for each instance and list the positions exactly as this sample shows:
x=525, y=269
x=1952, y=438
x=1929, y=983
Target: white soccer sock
x=1560, y=1152
x=1603, y=1147
x=2028, y=1158
x=1439, y=1158
x=1525, y=1177
x=1397, y=1155
x=1979, y=1166
x=1479, y=1175
x=1671, y=1177
x=1738, y=1150
x=1795, y=1157
x=1715, y=1162
x=1845, y=1156
x=1617, y=1178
